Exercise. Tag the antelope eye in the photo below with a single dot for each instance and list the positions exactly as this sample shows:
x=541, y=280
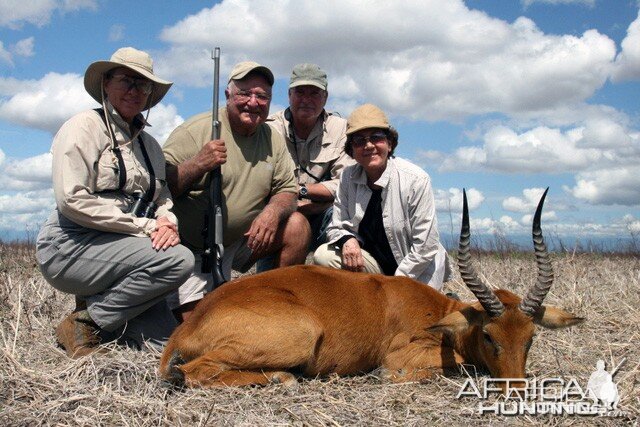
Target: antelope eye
x=488, y=339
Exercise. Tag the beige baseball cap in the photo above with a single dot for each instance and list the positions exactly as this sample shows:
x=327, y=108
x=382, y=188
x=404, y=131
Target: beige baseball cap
x=367, y=116
x=133, y=59
x=308, y=74
x=241, y=69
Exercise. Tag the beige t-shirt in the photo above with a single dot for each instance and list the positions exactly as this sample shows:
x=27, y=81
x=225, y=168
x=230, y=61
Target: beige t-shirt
x=257, y=167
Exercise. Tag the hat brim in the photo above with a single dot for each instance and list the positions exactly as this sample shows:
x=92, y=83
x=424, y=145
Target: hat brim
x=95, y=71
x=307, y=83
x=260, y=69
x=367, y=126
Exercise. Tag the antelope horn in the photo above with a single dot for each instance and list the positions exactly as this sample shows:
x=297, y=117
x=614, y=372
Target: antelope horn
x=486, y=297
x=532, y=302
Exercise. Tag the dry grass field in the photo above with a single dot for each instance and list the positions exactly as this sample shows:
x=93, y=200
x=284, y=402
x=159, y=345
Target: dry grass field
x=39, y=385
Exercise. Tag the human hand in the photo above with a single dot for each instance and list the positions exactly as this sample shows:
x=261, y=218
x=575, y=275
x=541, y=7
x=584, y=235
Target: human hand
x=165, y=234
x=212, y=155
x=352, y=259
x=262, y=232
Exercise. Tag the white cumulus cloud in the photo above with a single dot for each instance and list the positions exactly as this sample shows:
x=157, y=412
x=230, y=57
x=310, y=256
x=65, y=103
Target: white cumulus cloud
x=32, y=173
x=589, y=3
x=627, y=65
x=47, y=103
x=5, y=55
x=538, y=150
x=451, y=199
x=116, y=32
x=25, y=211
x=599, y=142
x=632, y=223
x=620, y=185
x=163, y=119
x=444, y=61
x=491, y=226
x=33, y=202
x=24, y=47
x=527, y=203
x=15, y=13
x=527, y=219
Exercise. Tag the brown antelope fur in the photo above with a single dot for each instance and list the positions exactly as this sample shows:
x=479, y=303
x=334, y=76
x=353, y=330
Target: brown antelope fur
x=315, y=321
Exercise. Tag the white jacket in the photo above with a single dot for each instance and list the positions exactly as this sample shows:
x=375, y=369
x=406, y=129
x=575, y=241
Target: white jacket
x=408, y=216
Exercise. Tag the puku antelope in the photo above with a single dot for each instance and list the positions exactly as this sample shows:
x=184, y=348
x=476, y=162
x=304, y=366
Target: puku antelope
x=315, y=321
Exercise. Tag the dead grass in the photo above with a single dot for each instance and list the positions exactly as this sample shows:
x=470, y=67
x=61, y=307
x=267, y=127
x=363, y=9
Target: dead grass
x=39, y=385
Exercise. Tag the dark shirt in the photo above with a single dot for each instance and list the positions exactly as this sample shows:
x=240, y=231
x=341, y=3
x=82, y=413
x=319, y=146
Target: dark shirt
x=375, y=239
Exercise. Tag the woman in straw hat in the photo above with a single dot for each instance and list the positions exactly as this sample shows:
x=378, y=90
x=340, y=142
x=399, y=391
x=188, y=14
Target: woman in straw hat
x=384, y=218
x=112, y=240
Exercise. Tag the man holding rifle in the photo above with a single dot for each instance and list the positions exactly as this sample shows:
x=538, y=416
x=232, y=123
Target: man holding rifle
x=258, y=184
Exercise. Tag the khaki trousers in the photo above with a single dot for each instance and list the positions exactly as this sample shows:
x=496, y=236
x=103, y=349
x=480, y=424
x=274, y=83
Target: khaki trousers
x=121, y=277
x=328, y=256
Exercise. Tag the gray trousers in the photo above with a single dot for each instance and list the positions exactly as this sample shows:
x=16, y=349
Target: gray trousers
x=122, y=278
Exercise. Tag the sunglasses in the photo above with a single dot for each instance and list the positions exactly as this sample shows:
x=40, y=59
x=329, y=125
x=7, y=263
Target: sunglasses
x=126, y=83
x=374, y=138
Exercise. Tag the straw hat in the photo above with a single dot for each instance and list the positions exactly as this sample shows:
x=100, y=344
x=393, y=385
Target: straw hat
x=133, y=59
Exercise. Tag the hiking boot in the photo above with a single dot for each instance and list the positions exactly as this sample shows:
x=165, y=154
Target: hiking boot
x=77, y=334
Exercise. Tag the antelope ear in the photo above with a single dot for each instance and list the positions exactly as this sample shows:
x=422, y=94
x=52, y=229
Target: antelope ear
x=459, y=321
x=554, y=318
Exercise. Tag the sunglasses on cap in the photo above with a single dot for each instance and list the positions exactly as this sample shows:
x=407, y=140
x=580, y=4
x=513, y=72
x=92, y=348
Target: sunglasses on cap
x=126, y=83
x=374, y=138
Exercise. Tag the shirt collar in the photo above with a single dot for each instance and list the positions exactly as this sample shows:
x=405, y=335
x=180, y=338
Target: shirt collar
x=139, y=121
x=314, y=133
x=359, y=175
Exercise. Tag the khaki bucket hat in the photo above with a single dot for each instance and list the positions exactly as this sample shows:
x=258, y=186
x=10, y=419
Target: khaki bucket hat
x=241, y=69
x=367, y=116
x=133, y=59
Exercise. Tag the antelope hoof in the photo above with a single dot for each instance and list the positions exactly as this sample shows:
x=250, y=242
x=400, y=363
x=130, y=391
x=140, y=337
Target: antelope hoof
x=285, y=378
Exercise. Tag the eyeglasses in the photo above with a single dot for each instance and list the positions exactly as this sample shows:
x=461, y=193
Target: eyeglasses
x=374, y=138
x=245, y=96
x=126, y=83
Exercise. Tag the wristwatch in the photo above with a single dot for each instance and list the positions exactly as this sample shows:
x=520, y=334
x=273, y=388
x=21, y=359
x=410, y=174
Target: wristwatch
x=303, y=193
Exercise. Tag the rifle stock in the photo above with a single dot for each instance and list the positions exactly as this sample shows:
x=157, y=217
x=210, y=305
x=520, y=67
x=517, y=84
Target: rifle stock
x=213, y=228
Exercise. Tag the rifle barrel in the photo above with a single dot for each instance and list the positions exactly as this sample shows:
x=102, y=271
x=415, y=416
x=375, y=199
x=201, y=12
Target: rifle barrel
x=215, y=123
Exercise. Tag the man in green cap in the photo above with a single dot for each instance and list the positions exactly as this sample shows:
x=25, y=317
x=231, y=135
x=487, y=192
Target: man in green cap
x=258, y=184
x=315, y=139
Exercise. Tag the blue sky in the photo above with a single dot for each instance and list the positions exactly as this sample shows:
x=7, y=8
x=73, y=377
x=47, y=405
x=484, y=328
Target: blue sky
x=503, y=98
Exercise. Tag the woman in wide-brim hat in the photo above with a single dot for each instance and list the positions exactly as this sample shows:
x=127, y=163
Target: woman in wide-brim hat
x=112, y=240
x=126, y=59
x=384, y=218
